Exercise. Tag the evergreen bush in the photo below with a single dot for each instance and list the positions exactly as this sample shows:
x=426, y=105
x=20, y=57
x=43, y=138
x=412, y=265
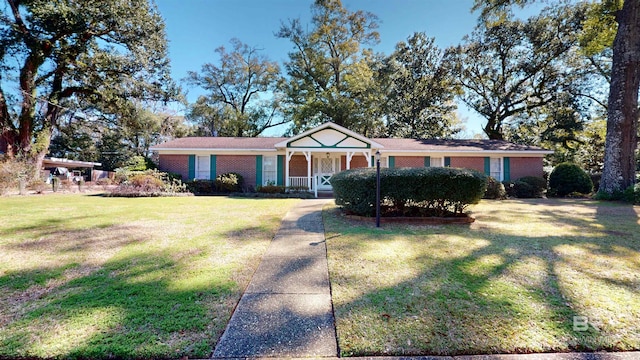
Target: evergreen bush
x=433, y=191
x=495, y=189
x=632, y=194
x=568, y=178
x=528, y=187
x=201, y=187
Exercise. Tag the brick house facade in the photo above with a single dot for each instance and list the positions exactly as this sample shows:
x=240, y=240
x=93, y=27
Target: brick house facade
x=309, y=159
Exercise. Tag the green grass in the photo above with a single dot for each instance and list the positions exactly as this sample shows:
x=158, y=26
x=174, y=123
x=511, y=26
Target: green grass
x=512, y=282
x=93, y=277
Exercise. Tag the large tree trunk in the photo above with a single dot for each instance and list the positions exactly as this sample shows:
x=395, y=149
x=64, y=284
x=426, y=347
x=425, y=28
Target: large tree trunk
x=622, y=120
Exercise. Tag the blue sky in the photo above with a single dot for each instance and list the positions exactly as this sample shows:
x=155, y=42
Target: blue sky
x=195, y=28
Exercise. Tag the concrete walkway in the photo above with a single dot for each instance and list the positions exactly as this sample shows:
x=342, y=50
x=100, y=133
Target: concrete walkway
x=286, y=310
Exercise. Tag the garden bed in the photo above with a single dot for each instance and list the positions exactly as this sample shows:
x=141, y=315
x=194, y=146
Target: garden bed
x=431, y=220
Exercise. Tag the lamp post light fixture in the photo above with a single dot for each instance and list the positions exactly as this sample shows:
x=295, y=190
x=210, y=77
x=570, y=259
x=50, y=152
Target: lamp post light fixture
x=377, y=188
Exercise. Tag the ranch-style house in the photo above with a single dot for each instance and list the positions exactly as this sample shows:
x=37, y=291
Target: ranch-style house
x=312, y=157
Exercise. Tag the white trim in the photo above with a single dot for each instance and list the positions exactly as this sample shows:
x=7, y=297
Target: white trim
x=339, y=128
x=216, y=151
x=479, y=153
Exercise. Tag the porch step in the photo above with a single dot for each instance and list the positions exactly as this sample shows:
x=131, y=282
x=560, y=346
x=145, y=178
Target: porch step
x=325, y=194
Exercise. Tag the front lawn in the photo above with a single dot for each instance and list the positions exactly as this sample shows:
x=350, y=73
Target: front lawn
x=93, y=277
x=527, y=276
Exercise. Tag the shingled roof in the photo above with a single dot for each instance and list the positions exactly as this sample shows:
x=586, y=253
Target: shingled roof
x=237, y=143
x=403, y=145
x=452, y=145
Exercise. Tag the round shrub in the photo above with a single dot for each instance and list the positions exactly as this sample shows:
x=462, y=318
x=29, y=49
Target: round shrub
x=567, y=178
x=495, y=189
x=229, y=182
x=433, y=191
x=538, y=184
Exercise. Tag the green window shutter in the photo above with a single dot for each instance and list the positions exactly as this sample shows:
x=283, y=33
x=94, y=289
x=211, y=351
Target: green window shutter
x=427, y=161
x=392, y=161
x=212, y=167
x=192, y=167
x=373, y=160
x=487, y=166
x=280, y=171
x=507, y=169
x=447, y=161
x=258, y=170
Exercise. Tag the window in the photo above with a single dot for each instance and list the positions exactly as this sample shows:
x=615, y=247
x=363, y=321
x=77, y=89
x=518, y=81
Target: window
x=269, y=170
x=203, y=167
x=496, y=168
x=436, y=162
x=384, y=162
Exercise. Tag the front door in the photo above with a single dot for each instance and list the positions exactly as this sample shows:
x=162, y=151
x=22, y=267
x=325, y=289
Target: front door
x=327, y=166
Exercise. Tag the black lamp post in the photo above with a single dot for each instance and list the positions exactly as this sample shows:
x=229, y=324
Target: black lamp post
x=377, y=188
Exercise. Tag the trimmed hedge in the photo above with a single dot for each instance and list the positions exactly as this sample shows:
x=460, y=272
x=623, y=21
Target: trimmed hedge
x=568, y=178
x=433, y=191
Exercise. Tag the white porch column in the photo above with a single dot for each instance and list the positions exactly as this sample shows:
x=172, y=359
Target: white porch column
x=307, y=155
x=349, y=157
x=287, y=182
x=367, y=154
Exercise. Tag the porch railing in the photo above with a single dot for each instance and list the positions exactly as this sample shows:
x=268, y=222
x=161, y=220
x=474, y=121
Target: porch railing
x=299, y=181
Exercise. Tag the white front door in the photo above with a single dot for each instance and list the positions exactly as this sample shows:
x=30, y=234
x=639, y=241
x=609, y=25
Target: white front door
x=324, y=168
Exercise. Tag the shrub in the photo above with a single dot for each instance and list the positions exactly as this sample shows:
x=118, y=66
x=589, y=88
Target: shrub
x=271, y=189
x=567, y=178
x=139, y=163
x=149, y=183
x=13, y=172
x=528, y=187
x=495, y=189
x=632, y=194
x=229, y=182
x=104, y=182
x=297, y=189
x=201, y=187
x=431, y=191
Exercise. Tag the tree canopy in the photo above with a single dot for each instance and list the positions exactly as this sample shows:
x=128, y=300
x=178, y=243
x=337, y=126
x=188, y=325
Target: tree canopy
x=329, y=68
x=58, y=54
x=513, y=67
x=421, y=91
x=232, y=106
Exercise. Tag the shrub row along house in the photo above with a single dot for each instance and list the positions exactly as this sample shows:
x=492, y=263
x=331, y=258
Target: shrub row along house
x=311, y=158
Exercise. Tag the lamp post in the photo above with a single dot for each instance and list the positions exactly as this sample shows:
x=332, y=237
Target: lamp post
x=377, y=188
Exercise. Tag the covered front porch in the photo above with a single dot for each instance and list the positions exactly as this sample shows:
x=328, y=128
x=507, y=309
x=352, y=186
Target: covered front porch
x=314, y=156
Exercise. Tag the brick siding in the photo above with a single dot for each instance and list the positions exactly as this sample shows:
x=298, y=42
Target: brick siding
x=409, y=161
x=298, y=166
x=467, y=162
x=357, y=161
x=178, y=164
x=521, y=167
x=244, y=165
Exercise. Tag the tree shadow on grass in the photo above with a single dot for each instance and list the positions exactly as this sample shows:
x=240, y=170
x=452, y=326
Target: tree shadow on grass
x=499, y=292
x=129, y=308
x=103, y=293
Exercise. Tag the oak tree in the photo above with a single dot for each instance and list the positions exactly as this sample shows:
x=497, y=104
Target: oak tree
x=233, y=105
x=330, y=69
x=96, y=53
